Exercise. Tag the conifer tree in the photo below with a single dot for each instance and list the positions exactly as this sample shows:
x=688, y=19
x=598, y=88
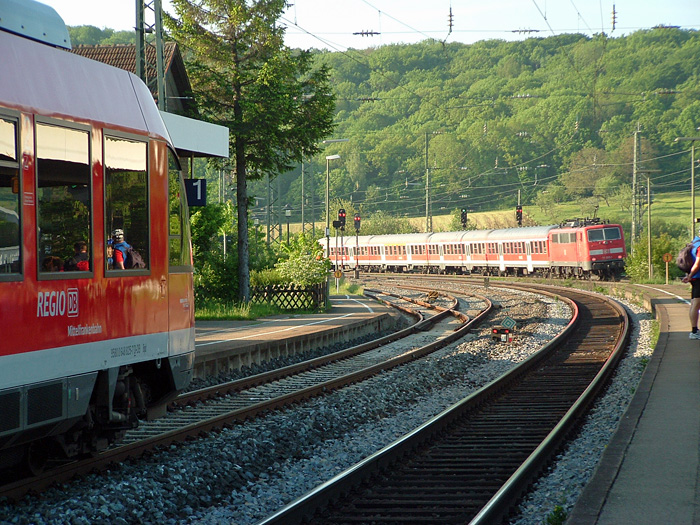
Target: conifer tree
x=276, y=105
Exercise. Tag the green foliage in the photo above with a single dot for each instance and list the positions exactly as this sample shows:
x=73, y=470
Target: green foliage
x=550, y=117
x=266, y=277
x=346, y=287
x=215, y=278
x=305, y=264
x=304, y=269
x=215, y=275
x=557, y=516
x=91, y=35
x=216, y=310
x=637, y=265
x=277, y=102
x=571, y=136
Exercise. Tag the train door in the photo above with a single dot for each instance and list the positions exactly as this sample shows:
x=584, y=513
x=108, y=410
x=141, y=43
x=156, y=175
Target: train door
x=528, y=256
x=179, y=278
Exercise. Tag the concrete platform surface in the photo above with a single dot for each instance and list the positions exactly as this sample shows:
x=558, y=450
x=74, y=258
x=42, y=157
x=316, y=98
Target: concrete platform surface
x=649, y=473
x=226, y=345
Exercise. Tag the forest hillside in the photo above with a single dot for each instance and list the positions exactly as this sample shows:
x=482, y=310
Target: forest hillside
x=562, y=119
x=544, y=120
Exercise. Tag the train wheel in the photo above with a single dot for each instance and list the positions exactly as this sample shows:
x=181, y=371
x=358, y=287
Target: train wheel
x=36, y=457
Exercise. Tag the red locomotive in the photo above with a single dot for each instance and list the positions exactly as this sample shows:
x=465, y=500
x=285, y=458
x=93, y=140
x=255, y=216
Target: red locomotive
x=86, y=162
x=581, y=248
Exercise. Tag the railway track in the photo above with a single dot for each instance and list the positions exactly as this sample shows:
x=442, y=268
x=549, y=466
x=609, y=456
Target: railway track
x=212, y=408
x=474, y=461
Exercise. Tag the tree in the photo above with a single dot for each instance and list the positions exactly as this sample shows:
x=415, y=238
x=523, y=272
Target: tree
x=275, y=104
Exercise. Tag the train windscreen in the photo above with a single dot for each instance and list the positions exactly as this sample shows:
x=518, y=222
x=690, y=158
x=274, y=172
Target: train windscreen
x=604, y=234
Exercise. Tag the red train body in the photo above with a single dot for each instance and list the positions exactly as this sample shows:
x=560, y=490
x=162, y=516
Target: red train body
x=579, y=248
x=85, y=353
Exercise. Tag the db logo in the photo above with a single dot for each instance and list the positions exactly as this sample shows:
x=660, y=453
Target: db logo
x=72, y=302
x=56, y=304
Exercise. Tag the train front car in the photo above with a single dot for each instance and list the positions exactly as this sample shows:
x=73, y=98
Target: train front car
x=586, y=248
x=603, y=251
x=86, y=165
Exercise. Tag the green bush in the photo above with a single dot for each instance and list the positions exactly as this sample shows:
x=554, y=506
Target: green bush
x=304, y=269
x=266, y=277
x=637, y=264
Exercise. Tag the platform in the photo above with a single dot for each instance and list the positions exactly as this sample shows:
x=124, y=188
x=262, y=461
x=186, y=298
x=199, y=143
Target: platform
x=227, y=345
x=649, y=472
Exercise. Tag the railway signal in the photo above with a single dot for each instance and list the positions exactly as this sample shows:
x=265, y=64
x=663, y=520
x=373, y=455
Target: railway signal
x=501, y=334
x=341, y=218
x=463, y=218
x=357, y=222
x=519, y=215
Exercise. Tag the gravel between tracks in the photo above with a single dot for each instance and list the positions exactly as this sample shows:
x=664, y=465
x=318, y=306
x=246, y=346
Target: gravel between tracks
x=236, y=476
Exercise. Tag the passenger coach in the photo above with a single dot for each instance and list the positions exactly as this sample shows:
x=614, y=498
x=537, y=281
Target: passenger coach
x=86, y=350
x=581, y=248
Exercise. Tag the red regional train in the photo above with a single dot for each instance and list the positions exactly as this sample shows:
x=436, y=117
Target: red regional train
x=88, y=349
x=581, y=248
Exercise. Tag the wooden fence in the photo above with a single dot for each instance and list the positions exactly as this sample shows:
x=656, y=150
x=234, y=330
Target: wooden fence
x=292, y=297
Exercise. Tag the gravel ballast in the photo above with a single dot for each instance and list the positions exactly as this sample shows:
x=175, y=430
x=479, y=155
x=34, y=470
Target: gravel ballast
x=237, y=476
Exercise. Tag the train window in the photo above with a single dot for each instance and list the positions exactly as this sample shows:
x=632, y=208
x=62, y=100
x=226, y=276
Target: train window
x=64, y=202
x=9, y=199
x=612, y=234
x=180, y=246
x=126, y=195
x=595, y=235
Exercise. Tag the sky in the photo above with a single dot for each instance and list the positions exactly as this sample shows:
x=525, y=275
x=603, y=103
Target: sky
x=339, y=24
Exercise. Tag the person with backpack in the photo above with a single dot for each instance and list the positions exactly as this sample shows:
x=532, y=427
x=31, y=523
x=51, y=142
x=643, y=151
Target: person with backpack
x=693, y=277
x=120, y=246
x=124, y=256
x=80, y=262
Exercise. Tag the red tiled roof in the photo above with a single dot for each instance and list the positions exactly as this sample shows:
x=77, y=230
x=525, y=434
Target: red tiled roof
x=123, y=56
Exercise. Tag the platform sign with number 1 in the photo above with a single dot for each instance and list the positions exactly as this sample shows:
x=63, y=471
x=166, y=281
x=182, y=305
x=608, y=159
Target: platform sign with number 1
x=196, y=192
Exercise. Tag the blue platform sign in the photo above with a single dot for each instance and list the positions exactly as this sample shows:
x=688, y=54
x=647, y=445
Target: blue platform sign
x=196, y=192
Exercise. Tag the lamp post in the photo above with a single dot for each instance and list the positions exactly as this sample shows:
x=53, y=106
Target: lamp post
x=287, y=214
x=256, y=222
x=328, y=217
x=692, y=178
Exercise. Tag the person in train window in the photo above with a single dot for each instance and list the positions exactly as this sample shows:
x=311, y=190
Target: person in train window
x=110, y=254
x=693, y=277
x=120, y=247
x=80, y=262
x=52, y=264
